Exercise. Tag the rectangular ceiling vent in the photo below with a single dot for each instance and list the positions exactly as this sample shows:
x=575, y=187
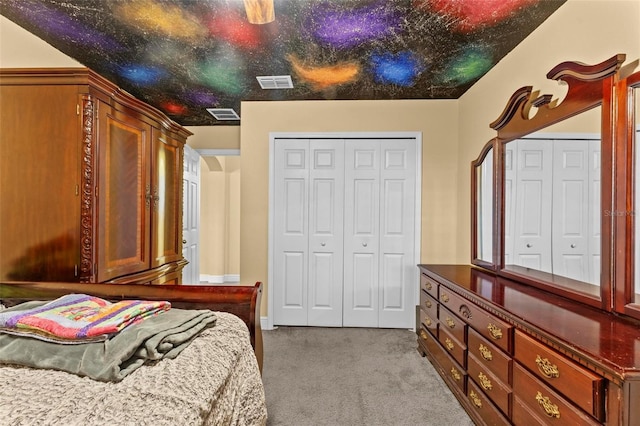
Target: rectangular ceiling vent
x=224, y=113
x=275, y=81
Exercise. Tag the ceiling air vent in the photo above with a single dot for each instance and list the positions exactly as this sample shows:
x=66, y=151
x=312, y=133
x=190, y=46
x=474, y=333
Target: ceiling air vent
x=275, y=81
x=224, y=113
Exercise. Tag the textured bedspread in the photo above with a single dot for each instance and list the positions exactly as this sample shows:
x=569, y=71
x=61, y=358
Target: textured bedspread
x=214, y=381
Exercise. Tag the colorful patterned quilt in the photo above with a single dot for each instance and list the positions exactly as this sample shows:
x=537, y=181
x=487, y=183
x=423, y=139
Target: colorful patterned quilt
x=78, y=318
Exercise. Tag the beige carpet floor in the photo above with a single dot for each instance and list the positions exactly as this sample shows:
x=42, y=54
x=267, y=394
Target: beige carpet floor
x=353, y=376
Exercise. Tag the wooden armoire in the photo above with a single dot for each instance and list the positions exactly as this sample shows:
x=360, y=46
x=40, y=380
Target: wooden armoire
x=90, y=181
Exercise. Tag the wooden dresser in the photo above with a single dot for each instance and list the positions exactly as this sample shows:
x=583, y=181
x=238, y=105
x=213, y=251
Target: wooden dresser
x=91, y=181
x=513, y=354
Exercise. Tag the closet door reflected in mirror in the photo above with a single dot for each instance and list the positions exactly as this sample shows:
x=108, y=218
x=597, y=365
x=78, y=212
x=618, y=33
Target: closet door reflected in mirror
x=483, y=183
x=552, y=202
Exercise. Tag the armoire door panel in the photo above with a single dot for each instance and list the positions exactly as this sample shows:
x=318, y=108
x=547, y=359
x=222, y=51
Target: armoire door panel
x=123, y=195
x=166, y=198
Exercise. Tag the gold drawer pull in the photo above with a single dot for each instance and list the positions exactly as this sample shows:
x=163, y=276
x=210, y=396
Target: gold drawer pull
x=455, y=374
x=547, y=369
x=423, y=334
x=550, y=409
x=474, y=398
x=449, y=344
x=485, y=352
x=427, y=303
x=451, y=323
x=444, y=298
x=495, y=331
x=428, y=322
x=485, y=382
x=427, y=285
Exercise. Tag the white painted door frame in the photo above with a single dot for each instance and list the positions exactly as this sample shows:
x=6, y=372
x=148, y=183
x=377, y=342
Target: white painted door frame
x=417, y=136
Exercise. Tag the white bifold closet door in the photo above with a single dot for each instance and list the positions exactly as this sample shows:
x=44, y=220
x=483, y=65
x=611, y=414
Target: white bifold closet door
x=308, y=246
x=344, y=232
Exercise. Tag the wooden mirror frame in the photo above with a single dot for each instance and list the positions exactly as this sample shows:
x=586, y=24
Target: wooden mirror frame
x=625, y=176
x=589, y=86
x=490, y=147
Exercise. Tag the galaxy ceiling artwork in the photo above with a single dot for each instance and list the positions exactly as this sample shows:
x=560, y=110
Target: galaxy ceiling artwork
x=184, y=56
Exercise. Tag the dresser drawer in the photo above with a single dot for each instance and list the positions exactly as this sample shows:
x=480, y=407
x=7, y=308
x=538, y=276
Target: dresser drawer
x=583, y=387
x=453, y=346
x=546, y=404
x=496, y=390
x=454, y=325
x=494, y=329
x=447, y=367
x=429, y=323
x=429, y=304
x=429, y=285
x=489, y=355
x=483, y=406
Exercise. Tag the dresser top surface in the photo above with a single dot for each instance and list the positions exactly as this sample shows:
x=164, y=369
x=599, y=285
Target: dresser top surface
x=579, y=329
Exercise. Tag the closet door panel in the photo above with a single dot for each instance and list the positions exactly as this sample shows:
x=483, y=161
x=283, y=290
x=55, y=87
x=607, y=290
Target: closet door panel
x=326, y=177
x=361, y=233
x=397, y=244
x=291, y=227
x=571, y=209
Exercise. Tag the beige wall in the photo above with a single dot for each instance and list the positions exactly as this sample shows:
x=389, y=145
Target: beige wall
x=220, y=216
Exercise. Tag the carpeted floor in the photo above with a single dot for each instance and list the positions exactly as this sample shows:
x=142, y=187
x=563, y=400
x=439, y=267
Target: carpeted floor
x=353, y=376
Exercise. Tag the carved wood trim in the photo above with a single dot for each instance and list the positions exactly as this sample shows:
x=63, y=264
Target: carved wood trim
x=585, y=92
x=87, y=193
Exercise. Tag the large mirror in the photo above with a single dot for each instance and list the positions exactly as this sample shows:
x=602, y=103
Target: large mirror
x=552, y=202
x=483, y=184
x=552, y=161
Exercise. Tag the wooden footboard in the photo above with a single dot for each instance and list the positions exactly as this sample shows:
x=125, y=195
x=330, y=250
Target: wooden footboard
x=243, y=301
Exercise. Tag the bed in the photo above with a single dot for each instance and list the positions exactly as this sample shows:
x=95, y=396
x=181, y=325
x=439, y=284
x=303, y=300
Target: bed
x=216, y=380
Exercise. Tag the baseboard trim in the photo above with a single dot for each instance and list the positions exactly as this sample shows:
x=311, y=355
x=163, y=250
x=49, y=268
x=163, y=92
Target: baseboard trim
x=264, y=323
x=219, y=279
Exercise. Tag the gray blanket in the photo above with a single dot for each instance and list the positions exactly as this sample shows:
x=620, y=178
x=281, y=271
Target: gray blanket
x=161, y=336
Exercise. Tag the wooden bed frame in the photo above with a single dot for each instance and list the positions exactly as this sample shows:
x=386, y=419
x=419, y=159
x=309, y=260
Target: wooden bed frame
x=242, y=301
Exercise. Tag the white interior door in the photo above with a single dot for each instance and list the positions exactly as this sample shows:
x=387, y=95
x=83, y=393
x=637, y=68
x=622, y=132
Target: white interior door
x=191, y=216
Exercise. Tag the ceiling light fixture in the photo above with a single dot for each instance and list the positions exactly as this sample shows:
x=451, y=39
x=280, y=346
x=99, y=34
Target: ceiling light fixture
x=259, y=11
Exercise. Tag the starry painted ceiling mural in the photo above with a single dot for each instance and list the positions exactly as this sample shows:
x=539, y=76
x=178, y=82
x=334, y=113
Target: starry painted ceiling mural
x=184, y=56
